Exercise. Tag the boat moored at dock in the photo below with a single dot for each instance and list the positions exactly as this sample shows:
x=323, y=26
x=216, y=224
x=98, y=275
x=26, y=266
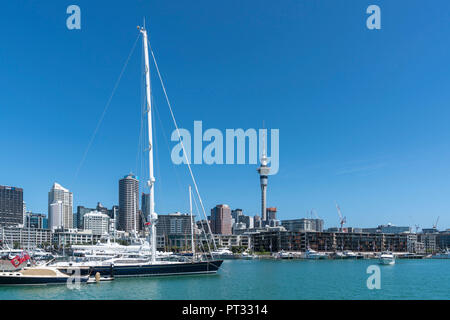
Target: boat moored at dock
x=387, y=258
x=42, y=275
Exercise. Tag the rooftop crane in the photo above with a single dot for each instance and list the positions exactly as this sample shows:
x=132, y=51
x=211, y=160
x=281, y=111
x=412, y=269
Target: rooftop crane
x=435, y=225
x=313, y=211
x=342, y=220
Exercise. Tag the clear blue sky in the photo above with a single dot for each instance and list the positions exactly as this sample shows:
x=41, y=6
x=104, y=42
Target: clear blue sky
x=363, y=115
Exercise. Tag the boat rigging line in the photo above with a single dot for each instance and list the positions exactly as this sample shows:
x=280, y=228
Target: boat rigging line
x=106, y=107
x=181, y=140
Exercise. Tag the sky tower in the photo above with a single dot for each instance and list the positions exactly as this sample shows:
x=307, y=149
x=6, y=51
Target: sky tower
x=263, y=171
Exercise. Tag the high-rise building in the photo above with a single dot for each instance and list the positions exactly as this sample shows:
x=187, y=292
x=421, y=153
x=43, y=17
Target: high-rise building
x=55, y=215
x=247, y=220
x=35, y=220
x=145, y=204
x=235, y=214
x=221, y=219
x=271, y=213
x=58, y=193
x=81, y=211
x=129, y=203
x=11, y=206
x=174, y=223
x=257, y=223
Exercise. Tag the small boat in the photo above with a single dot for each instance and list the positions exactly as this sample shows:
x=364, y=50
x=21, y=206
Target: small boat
x=248, y=256
x=42, y=275
x=442, y=255
x=312, y=254
x=387, y=258
x=223, y=253
x=350, y=255
x=284, y=255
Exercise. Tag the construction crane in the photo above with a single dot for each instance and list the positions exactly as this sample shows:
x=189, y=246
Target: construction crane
x=342, y=220
x=435, y=225
x=314, y=212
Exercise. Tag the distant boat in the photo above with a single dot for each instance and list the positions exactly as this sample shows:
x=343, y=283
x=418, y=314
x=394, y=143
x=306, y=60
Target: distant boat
x=387, y=258
x=312, y=254
x=442, y=255
x=350, y=255
x=248, y=256
x=284, y=255
x=223, y=253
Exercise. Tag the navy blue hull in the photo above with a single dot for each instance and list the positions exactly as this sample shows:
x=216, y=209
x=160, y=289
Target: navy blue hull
x=13, y=280
x=201, y=267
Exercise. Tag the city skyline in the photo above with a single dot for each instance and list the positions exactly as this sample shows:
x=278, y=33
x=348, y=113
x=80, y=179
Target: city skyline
x=375, y=142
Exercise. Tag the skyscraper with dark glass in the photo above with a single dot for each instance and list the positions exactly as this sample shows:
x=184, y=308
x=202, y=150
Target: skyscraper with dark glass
x=129, y=203
x=11, y=206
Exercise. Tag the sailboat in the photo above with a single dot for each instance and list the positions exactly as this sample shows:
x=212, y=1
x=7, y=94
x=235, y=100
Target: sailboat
x=126, y=265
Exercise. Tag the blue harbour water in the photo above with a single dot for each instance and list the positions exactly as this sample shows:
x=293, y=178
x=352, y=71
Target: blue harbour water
x=268, y=279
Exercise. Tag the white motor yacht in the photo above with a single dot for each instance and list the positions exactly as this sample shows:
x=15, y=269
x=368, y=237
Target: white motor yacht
x=387, y=258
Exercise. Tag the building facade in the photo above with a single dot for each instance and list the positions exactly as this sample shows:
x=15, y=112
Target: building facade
x=303, y=224
x=36, y=221
x=129, y=203
x=58, y=193
x=11, y=206
x=26, y=238
x=274, y=241
x=55, y=215
x=97, y=222
x=221, y=219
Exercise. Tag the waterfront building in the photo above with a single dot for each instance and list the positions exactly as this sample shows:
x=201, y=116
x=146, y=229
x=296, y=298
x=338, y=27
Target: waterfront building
x=429, y=241
x=65, y=237
x=229, y=241
x=443, y=240
x=28, y=238
x=97, y=222
x=174, y=223
x=175, y=230
x=274, y=241
x=65, y=197
x=129, y=203
x=221, y=219
x=11, y=206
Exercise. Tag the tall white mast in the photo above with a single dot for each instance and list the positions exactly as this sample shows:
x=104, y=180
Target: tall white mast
x=153, y=217
x=192, y=223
